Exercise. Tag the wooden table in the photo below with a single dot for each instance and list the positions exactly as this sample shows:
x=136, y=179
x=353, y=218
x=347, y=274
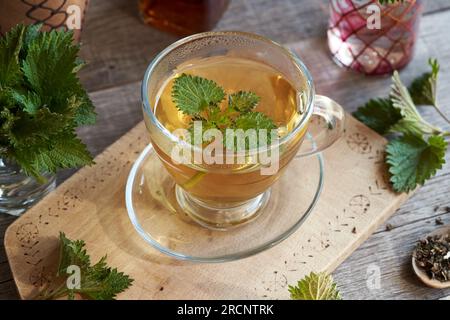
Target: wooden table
x=119, y=47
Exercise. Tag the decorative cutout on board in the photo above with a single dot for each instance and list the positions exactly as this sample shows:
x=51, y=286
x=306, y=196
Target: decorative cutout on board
x=359, y=204
x=40, y=277
x=27, y=234
x=359, y=143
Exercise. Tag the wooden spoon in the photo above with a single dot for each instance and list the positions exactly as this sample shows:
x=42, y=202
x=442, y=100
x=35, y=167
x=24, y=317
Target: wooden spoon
x=422, y=274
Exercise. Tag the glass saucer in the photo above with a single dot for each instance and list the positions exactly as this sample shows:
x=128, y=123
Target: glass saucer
x=155, y=214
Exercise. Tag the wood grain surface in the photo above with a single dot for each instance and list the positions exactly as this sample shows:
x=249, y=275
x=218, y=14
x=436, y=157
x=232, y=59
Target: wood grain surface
x=90, y=205
x=118, y=48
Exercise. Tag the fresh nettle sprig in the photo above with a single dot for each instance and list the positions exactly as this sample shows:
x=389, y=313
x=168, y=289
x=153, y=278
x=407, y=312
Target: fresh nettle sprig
x=417, y=148
x=201, y=99
x=97, y=282
x=42, y=101
x=315, y=286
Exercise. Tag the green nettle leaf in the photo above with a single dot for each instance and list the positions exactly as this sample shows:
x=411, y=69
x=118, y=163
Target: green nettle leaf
x=200, y=98
x=30, y=34
x=423, y=89
x=71, y=253
x=98, y=281
x=410, y=125
x=10, y=46
x=104, y=283
x=42, y=101
x=243, y=101
x=7, y=120
x=412, y=122
x=29, y=101
x=217, y=119
x=379, y=115
x=194, y=94
x=66, y=151
x=29, y=130
x=251, y=121
x=315, y=286
x=254, y=120
x=85, y=112
x=48, y=67
x=419, y=152
x=412, y=160
x=6, y=98
x=206, y=125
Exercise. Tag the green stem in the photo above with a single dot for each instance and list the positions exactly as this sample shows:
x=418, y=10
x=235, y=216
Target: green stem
x=432, y=129
x=57, y=293
x=196, y=178
x=435, y=106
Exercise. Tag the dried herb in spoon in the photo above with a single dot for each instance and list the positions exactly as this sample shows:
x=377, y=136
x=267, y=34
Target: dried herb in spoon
x=433, y=256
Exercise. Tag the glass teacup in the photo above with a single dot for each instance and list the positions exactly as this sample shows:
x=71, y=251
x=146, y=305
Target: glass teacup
x=225, y=194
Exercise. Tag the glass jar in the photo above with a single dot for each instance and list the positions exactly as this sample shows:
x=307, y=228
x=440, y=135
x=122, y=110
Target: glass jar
x=183, y=17
x=18, y=192
x=52, y=14
x=371, y=38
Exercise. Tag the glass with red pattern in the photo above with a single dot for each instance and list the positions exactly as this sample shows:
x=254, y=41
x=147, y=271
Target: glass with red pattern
x=373, y=38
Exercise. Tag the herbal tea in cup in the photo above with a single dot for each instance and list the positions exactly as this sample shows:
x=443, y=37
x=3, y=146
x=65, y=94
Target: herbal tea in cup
x=227, y=112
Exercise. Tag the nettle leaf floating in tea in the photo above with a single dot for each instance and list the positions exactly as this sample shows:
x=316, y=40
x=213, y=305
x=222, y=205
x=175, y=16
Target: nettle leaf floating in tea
x=200, y=98
x=193, y=94
x=243, y=101
x=257, y=121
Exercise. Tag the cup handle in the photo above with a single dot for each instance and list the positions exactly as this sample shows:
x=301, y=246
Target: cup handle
x=325, y=127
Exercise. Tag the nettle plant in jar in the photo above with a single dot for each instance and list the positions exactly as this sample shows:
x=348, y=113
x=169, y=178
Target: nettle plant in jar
x=42, y=102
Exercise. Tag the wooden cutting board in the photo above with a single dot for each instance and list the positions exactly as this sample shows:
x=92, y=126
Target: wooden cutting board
x=91, y=206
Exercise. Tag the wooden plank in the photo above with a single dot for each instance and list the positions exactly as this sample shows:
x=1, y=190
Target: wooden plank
x=390, y=253
x=434, y=6
x=93, y=198
x=5, y=221
x=119, y=47
x=8, y=290
x=7, y=287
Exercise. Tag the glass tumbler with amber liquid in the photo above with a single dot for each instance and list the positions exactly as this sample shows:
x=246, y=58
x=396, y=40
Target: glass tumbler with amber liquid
x=225, y=195
x=182, y=17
